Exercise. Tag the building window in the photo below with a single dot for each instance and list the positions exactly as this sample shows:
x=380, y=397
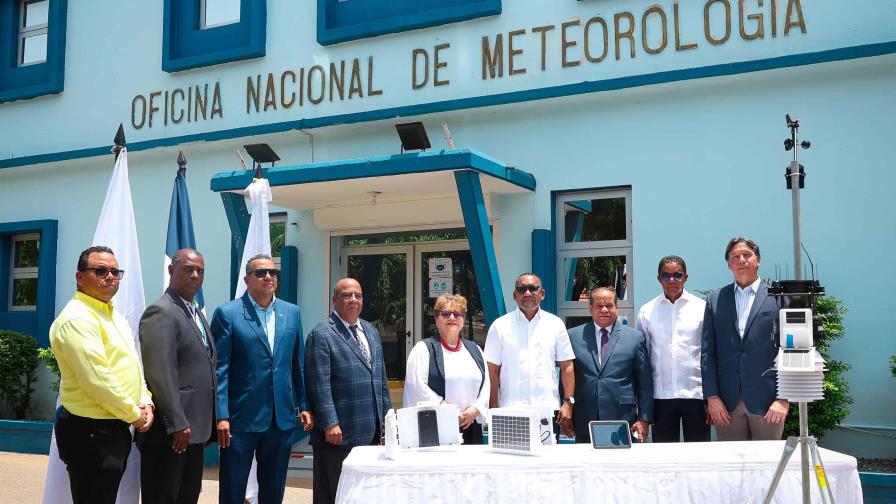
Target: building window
x=278, y=235
x=33, y=32
x=343, y=20
x=28, y=277
x=209, y=32
x=23, y=271
x=32, y=48
x=594, y=249
x=220, y=13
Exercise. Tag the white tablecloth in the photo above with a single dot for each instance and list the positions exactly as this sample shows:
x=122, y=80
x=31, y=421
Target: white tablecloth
x=717, y=472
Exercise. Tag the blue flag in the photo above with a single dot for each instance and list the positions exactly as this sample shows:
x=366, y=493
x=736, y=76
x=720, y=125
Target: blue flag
x=180, y=225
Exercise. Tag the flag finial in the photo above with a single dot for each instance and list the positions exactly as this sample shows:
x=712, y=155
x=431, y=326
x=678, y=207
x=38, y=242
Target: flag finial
x=181, y=161
x=118, y=140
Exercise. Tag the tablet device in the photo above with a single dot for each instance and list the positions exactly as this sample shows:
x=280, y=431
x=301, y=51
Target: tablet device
x=610, y=434
x=428, y=428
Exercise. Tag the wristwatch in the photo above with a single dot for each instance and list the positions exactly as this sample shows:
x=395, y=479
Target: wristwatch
x=571, y=400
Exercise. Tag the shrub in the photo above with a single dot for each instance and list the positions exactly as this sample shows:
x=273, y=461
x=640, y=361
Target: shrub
x=46, y=356
x=826, y=415
x=18, y=370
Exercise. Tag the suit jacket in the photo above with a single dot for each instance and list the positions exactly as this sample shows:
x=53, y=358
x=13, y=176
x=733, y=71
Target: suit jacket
x=621, y=389
x=342, y=388
x=255, y=384
x=180, y=373
x=732, y=366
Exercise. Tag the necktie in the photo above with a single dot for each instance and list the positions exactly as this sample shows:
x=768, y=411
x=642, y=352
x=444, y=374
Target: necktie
x=198, y=323
x=354, y=329
x=604, y=339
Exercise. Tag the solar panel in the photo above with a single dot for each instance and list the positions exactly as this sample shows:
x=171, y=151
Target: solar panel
x=515, y=431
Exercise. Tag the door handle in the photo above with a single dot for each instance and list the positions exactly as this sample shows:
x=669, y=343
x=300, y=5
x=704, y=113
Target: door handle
x=408, y=339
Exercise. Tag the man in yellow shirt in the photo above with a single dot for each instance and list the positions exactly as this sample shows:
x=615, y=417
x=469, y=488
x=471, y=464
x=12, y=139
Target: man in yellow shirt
x=102, y=388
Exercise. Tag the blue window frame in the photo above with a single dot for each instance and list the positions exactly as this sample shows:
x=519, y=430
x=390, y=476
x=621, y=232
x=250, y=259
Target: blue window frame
x=21, y=80
x=343, y=20
x=18, y=309
x=186, y=44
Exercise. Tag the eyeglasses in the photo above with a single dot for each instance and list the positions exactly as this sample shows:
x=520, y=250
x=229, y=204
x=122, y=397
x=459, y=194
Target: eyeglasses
x=672, y=276
x=455, y=314
x=348, y=295
x=101, y=272
x=521, y=289
x=263, y=272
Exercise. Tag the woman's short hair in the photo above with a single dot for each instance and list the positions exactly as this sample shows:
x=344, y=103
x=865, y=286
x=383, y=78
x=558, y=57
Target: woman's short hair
x=445, y=301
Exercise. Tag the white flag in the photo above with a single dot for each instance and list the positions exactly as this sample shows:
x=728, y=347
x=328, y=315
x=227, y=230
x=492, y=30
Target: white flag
x=258, y=239
x=117, y=230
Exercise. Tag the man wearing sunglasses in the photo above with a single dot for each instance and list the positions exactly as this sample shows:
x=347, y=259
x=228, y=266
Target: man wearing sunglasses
x=673, y=323
x=523, y=348
x=102, y=388
x=261, y=389
x=179, y=361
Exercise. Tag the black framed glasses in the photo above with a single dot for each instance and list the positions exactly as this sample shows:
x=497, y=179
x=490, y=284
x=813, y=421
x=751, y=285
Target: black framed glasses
x=521, y=289
x=102, y=271
x=672, y=276
x=449, y=313
x=263, y=272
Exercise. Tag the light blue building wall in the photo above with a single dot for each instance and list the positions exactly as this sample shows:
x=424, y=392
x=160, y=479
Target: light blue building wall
x=696, y=134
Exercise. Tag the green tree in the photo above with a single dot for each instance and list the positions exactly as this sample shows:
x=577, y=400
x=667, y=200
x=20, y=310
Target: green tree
x=46, y=356
x=826, y=415
x=18, y=370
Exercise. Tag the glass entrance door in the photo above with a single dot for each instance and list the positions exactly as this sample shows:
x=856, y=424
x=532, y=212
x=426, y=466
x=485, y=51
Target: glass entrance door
x=386, y=284
x=400, y=291
x=462, y=280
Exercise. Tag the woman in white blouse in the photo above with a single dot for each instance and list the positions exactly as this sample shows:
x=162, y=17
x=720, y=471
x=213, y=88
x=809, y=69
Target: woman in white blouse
x=445, y=368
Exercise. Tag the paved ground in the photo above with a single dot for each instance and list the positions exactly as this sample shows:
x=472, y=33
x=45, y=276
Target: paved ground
x=22, y=482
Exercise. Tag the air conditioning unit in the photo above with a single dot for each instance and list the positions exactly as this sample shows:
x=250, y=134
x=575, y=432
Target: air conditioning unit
x=518, y=430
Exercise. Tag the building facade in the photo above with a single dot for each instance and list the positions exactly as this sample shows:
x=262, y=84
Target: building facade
x=590, y=138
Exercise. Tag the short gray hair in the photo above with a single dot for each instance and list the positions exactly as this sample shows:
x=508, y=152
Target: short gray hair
x=256, y=257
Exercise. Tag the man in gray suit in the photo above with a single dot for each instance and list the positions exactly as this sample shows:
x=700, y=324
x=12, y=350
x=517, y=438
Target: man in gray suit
x=614, y=379
x=179, y=363
x=738, y=350
x=347, y=389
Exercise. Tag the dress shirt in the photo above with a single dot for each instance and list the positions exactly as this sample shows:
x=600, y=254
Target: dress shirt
x=462, y=380
x=743, y=301
x=528, y=352
x=674, y=332
x=268, y=317
x=193, y=308
x=101, y=375
x=597, y=335
x=361, y=336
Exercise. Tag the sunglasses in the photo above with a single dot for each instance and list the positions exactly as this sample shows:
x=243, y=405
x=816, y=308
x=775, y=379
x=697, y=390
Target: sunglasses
x=101, y=272
x=521, y=289
x=263, y=272
x=455, y=314
x=348, y=295
x=672, y=276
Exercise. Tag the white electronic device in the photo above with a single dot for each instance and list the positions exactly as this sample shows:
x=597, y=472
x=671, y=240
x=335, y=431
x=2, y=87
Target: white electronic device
x=519, y=430
x=795, y=328
x=407, y=427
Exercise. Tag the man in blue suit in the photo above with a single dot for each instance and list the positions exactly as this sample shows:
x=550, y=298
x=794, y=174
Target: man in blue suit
x=738, y=349
x=260, y=385
x=614, y=379
x=347, y=387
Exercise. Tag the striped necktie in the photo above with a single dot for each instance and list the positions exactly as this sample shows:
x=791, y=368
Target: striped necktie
x=354, y=329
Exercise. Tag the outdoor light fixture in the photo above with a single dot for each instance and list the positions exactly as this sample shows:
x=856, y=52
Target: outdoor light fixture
x=413, y=136
x=261, y=153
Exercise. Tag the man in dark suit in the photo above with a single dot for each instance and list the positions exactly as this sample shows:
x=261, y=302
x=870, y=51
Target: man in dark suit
x=179, y=364
x=738, y=350
x=260, y=385
x=614, y=380
x=347, y=386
